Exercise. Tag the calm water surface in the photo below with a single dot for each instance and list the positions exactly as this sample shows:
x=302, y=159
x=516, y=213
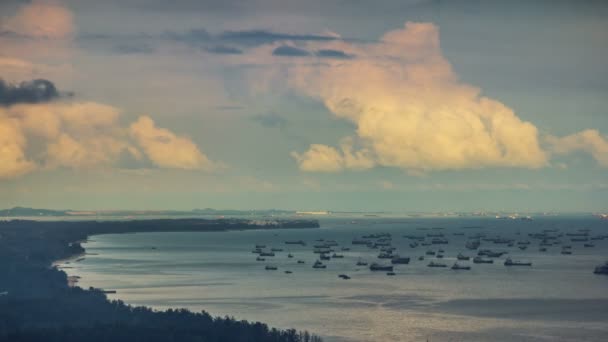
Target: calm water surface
x=557, y=299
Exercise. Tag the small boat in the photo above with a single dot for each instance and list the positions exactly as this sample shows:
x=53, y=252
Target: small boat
x=400, y=260
x=319, y=264
x=361, y=263
x=338, y=256
x=429, y=252
x=322, y=250
x=324, y=257
x=260, y=246
x=288, y=272
x=440, y=256
x=276, y=249
x=602, y=269
x=289, y=255
x=345, y=249
x=271, y=254
x=260, y=259
x=390, y=273
x=589, y=245
x=298, y=242
x=271, y=268
x=490, y=254
x=472, y=244
x=542, y=249
x=566, y=251
x=436, y=264
x=421, y=257
x=480, y=260
x=456, y=266
x=510, y=262
x=343, y=276
x=460, y=256
x=385, y=256
x=379, y=267
x=301, y=262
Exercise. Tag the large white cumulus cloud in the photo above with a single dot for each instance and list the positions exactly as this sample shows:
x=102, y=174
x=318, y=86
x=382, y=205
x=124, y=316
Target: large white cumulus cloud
x=165, y=148
x=590, y=141
x=411, y=111
x=82, y=135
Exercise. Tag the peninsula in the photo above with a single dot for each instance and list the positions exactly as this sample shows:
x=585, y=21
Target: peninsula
x=36, y=303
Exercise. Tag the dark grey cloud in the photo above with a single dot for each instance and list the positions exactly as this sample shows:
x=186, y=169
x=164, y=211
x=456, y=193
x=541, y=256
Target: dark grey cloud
x=224, y=50
x=258, y=37
x=192, y=36
x=270, y=120
x=35, y=91
x=329, y=53
x=290, y=51
x=226, y=42
x=243, y=38
x=129, y=49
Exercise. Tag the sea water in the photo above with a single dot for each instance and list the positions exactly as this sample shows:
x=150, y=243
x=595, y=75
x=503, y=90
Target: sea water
x=557, y=299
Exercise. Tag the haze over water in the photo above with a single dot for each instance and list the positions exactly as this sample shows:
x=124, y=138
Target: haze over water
x=557, y=299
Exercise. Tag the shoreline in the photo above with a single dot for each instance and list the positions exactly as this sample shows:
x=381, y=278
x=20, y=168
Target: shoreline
x=40, y=301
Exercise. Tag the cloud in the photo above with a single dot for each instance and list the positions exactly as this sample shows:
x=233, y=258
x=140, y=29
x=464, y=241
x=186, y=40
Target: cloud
x=323, y=158
x=224, y=50
x=589, y=141
x=193, y=36
x=201, y=36
x=410, y=110
x=71, y=135
x=34, y=91
x=13, y=162
x=270, y=120
x=85, y=135
x=330, y=53
x=128, y=49
x=289, y=51
x=259, y=37
x=42, y=20
x=166, y=149
x=36, y=40
x=320, y=158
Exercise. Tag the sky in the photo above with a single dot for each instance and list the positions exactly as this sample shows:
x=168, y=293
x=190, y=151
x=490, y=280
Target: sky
x=396, y=105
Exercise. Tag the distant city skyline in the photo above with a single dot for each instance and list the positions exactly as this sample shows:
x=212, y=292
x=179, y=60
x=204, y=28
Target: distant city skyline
x=397, y=106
